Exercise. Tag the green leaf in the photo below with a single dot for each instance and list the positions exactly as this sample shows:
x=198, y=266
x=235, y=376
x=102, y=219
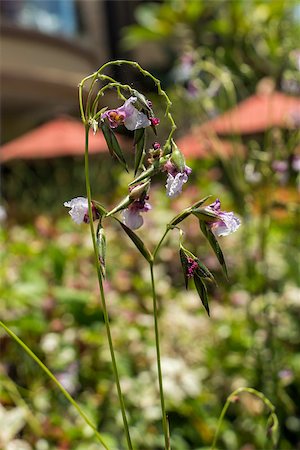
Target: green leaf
x=113, y=144
x=137, y=242
x=205, y=215
x=214, y=245
x=200, y=202
x=183, y=259
x=179, y=218
x=139, y=142
x=146, y=174
x=202, y=291
x=203, y=271
x=142, y=100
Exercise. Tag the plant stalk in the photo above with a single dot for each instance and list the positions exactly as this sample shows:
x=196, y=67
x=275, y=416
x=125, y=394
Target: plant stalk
x=160, y=381
x=102, y=295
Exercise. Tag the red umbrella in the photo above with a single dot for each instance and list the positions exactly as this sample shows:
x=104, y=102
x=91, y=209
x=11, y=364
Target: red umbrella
x=63, y=136
x=257, y=114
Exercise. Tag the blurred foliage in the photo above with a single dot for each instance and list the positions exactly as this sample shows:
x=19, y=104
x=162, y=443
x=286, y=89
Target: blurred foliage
x=252, y=38
x=49, y=297
x=40, y=186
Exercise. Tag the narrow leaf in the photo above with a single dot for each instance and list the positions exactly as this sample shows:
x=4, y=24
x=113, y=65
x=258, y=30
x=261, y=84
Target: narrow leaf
x=142, y=100
x=137, y=242
x=200, y=202
x=204, y=214
x=140, y=140
x=138, y=135
x=179, y=218
x=113, y=144
x=203, y=271
x=202, y=292
x=184, y=264
x=214, y=245
x=146, y=174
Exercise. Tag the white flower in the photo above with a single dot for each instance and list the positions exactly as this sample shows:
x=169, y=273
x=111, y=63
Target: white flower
x=132, y=215
x=227, y=224
x=175, y=183
x=79, y=209
x=132, y=219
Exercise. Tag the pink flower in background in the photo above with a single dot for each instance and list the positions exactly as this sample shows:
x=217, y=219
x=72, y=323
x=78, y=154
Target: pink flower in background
x=132, y=215
x=127, y=115
x=226, y=223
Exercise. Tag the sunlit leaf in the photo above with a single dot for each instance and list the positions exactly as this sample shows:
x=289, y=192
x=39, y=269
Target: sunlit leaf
x=202, y=291
x=184, y=263
x=113, y=144
x=214, y=244
x=137, y=242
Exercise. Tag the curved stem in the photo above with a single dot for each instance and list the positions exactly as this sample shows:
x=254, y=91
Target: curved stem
x=160, y=381
x=55, y=380
x=134, y=64
x=252, y=391
x=102, y=295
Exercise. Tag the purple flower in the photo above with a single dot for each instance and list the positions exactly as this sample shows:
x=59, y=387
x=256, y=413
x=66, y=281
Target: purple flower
x=226, y=223
x=132, y=215
x=127, y=115
x=176, y=179
x=80, y=211
x=280, y=166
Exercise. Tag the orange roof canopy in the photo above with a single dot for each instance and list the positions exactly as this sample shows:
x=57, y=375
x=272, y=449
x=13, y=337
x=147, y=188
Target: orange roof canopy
x=63, y=136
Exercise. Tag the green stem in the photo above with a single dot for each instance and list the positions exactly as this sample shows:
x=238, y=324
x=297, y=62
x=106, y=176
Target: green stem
x=55, y=380
x=229, y=400
x=160, y=381
x=102, y=295
x=160, y=242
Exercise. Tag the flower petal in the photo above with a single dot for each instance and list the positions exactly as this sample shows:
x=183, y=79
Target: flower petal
x=227, y=224
x=132, y=219
x=79, y=209
x=174, y=184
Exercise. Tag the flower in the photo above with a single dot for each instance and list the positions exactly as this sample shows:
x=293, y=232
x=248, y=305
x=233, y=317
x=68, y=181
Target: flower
x=127, y=115
x=131, y=215
x=176, y=178
x=80, y=210
x=226, y=223
x=296, y=163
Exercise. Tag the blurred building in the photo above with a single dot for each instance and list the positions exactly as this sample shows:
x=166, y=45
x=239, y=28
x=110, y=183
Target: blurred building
x=47, y=47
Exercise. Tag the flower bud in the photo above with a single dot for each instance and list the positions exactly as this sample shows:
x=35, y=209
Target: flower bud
x=177, y=158
x=137, y=191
